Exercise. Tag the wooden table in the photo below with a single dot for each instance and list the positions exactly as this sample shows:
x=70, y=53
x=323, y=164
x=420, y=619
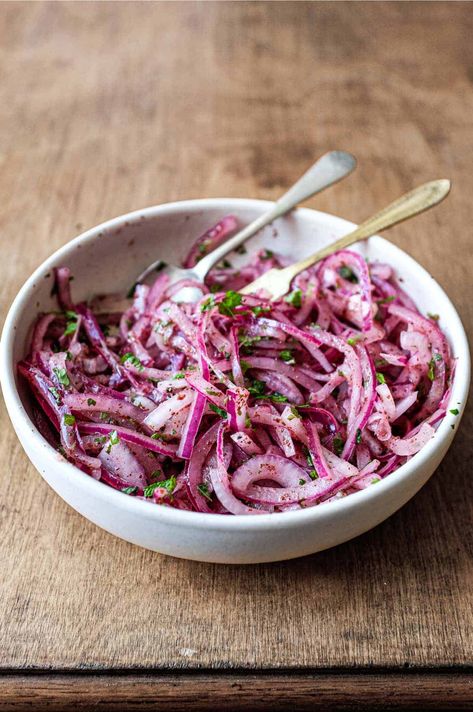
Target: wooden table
x=109, y=107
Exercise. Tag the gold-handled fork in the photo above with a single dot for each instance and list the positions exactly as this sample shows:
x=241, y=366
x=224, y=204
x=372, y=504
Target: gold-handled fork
x=277, y=282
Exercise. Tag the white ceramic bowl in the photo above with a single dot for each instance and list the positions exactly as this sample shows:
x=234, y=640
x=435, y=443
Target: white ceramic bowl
x=106, y=259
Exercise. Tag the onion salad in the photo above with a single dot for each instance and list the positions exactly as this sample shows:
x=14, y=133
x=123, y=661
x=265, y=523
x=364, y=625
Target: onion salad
x=235, y=404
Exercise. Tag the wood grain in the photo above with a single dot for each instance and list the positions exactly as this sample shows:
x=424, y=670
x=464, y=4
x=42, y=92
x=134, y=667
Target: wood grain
x=108, y=107
x=174, y=693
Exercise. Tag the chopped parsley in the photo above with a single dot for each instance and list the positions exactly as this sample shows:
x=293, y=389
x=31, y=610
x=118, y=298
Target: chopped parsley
x=257, y=388
x=219, y=411
x=158, y=436
x=169, y=485
x=287, y=356
x=229, y=302
x=454, y=411
x=244, y=366
x=260, y=309
x=338, y=445
x=347, y=274
x=62, y=376
x=302, y=482
x=204, y=490
x=179, y=375
x=130, y=490
x=113, y=440
x=69, y=419
x=294, y=298
x=246, y=342
x=435, y=317
x=313, y=474
x=55, y=393
x=267, y=255
x=358, y=436
x=431, y=371
x=353, y=340
x=71, y=323
x=380, y=378
x=387, y=300
x=91, y=401
x=208, y=304
x=134, y=360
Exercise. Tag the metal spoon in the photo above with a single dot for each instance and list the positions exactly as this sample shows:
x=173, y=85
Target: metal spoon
x=277, y=282
x=329, y=169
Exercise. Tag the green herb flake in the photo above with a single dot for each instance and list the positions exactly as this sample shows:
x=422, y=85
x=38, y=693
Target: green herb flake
x=204, y=490
x=219, y=411
x=348, y=274
x=387, y=300
x=169, y=485
x=375, y=480
x=130, y=490
x=229, y=302
x=71, y=323
x=358, y=436
x=257, y=388
x=353, y=340
x=62, y=376
x=260, y=309
x=302, y=482
x=214, y=288
x=91, y=401
x=287, y=356
x=380, y=378
x=294, y=298
x=454, y=411
x=267, y=255
x=134, y=360
x=158, y=436
x=431, y=371
x=244, y=366
x=338, y=445
x=295, y=412
x=55, y=393
x=208, y=304
x=246, y=342
x=313, y=474
x=278, y=398
x=241, y=250
x=435, y=317
x=69, y=419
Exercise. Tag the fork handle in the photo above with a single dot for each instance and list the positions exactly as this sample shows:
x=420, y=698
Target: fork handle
x=329, y=169
x=408, y=205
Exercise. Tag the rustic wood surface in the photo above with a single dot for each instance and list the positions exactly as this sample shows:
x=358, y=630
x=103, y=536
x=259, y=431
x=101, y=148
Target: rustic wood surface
x=109, y=107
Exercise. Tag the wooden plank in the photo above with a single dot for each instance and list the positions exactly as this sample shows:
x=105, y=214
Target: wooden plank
x=107, y=107
x=347, y=692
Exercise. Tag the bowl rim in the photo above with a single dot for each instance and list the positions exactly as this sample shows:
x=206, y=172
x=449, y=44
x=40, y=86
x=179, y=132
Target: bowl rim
x=26, y=428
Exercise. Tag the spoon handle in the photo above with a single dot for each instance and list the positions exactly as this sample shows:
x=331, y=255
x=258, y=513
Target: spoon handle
x=278, y=281
x=329, y=169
